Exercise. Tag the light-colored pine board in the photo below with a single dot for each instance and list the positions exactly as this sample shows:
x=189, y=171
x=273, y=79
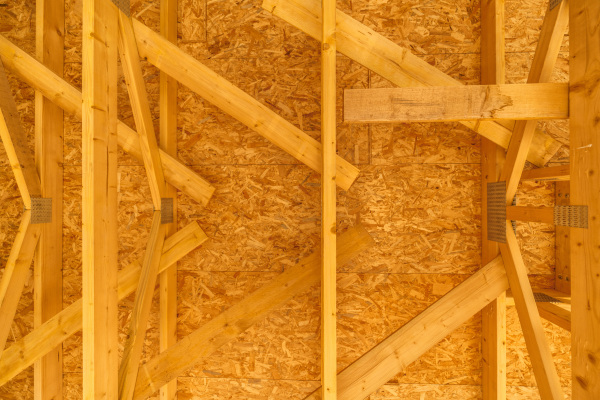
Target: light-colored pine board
x=544, y=60
x=530, y=214
x=16, y=272
x=537, y=343
x=60, y=327
x=397, y=351
x=584, y=64
x=168, y=143
x=448, y=104
x=493, y=54
x=99, y=200
x=236, y=103
x=15, y=141
x=395, y=63
x=241, y=316
x=562, y=282
x=70, y=100
x=328, y=203
x=138, y=97
x=555, y=173
x=49, y=131
x=141, y=309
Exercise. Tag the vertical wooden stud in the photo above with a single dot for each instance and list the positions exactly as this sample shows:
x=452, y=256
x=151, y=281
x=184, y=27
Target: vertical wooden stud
x=562, y=281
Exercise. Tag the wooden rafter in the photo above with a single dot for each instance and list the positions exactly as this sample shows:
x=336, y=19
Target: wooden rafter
x=396, y=64
x=584, y=67
x=253, y=308
x=397, y=351
x=70, y=100
x=237, y=103
x=168, y=142
x=557, y=313
x=60, y=327
x=530, y=214
x=447, y=103
x=556, y=173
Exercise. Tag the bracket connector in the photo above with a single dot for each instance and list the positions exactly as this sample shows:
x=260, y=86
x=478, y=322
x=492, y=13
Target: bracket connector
x=554, y=3
x=124, y=6
x=41, y=210
x=166, y=210
x=496, y=211
x=544, y=298
x=572, y=216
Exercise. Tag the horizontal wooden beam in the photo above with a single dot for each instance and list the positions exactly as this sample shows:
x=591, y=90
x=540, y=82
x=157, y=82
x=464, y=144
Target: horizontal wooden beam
x=240, y=105
x=396, y=64
x=384, y=361
x=70, y=99
x=557, y=313
x=63, y=325
x=449, y=103
x=253, y=308
x=530, y=214
x=556, y=173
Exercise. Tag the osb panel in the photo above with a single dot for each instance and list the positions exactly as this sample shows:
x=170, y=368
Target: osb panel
x=424, y=218
x=17, y=23
x=427, y=392
x=251, y=389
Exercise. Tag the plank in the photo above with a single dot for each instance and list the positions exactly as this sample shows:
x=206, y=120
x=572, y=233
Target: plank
x=253, y=308
x=63, y=325
x=380, y=364
x=557, y=313
x=99, y=200
x=584, y=66
x=533, y=331
x=493, y=316
x=556, y=173
x=396, y=64
x=562, y=242
x=141, y=309
x=447, y=103
x=138, y=97
x=328, y=203
x=70, y=100
x=551, y=37
x=530, y=214
x=49, y=131
x=16, y=272
x=168, y=142
x=22, y=161
x=237, y=103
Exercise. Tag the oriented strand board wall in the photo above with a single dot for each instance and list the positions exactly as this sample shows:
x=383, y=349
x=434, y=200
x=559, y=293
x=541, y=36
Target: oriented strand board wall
x=418, y=195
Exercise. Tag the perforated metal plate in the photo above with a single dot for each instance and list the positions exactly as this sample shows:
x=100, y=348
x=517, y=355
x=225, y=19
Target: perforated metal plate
x=166, y=210
x=496, y=211
x=554, y=3
x=41, y=210
x=123, y=6
x=544, y=298
x=573, y=216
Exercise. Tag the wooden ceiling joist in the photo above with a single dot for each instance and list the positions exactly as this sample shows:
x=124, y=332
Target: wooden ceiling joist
x=384, y=361
x=448, y=103
x=396, y=64
x=70, y=99
x=170, y=59
x=253, y=308
x=60, y=327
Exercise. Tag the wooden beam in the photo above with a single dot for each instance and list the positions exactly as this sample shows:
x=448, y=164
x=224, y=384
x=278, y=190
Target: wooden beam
x=562, y=242
x=493, y=316
x=16, y=272
x=551, y=37
x=15, y=142
x=584, y=66
x=253, y=308
x=557, y=313
x=141, y=309
x=328, y=203
x=49, y=132
x=99, y=202
x=535, y=339
x=556, y=173
x=237, y=103
x=396, y=64
x=447, y=103
x=132, y=69
x=63, y=325
x=380, y=364
x=168, y=142
x=70, y=100
x=530, y=214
